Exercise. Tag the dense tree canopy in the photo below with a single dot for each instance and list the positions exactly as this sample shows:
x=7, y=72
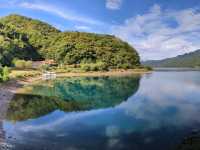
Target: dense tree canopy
x=14, y=44
x=27, y=38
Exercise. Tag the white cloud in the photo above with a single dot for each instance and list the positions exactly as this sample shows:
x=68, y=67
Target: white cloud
x=66, y=14
x=83, y=28
x=63, y=13
x=113, y=4
x=162, y=33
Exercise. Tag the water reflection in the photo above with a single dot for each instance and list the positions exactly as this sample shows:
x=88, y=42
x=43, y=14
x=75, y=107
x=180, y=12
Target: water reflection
x=172, y=99
x=71, y=94
x=24, y=107
x=158, y=116
x=98, y=92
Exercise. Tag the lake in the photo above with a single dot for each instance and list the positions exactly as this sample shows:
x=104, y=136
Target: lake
x=149, y=112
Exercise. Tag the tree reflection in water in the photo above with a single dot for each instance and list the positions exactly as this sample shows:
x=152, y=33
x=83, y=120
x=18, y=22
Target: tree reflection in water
x=72, y=94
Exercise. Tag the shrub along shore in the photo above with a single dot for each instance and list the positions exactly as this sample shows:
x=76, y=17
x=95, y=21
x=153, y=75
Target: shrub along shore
x=25, y=69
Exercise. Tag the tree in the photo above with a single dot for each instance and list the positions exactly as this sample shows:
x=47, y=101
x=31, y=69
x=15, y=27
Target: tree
x=5, y=74
x=1, y=74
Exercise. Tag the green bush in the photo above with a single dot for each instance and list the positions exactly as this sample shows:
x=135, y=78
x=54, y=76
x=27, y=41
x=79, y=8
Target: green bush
x=4, y=74
x=85, y=67
x=149, y=68
x=21, y=64
x=125, y=66
x=28, y=64
x=1, y=74
x=145, y=67
x=99, y=66
x=45, y=67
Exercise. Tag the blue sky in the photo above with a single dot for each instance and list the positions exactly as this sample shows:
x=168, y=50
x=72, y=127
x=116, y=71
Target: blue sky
x=156, y=28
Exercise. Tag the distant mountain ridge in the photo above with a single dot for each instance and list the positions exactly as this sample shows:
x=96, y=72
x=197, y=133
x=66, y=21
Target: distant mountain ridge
x=190, y=60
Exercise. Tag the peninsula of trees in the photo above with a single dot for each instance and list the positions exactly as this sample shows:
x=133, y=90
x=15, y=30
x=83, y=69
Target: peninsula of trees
x=29, y=39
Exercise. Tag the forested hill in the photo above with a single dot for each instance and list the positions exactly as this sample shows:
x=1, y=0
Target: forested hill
x=191, y=60
x=26, y=38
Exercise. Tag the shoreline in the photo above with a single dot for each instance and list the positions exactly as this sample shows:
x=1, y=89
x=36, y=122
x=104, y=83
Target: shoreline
x=106, y=73
x=10, y=88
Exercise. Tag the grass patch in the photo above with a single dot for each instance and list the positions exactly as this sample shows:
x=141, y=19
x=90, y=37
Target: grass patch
x=16, y=74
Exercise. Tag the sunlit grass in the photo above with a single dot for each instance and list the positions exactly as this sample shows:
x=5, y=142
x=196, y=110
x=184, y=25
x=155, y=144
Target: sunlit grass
x=15, y=74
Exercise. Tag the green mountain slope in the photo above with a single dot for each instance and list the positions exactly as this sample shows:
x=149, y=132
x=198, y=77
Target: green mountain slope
x=191, y=59
x=15, y=45
x=37, y=31
x=67, y=47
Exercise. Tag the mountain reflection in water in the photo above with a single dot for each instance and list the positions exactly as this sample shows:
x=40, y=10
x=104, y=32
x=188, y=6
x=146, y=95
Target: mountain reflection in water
x=155, y=112
x=71, y=94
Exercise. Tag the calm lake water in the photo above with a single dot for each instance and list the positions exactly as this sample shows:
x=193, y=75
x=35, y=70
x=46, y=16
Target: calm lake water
x=150, y=112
